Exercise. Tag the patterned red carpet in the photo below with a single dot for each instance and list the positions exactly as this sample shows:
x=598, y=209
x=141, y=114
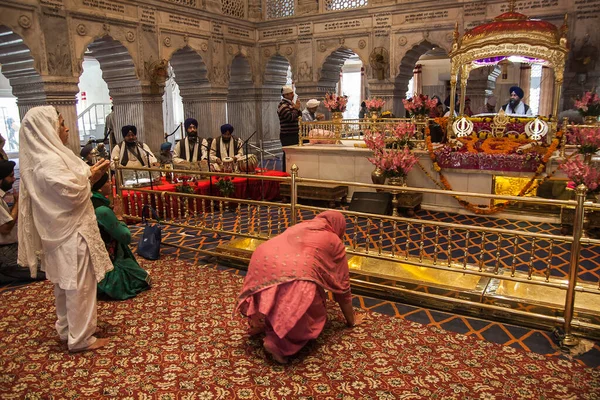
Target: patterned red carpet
x=179, y=341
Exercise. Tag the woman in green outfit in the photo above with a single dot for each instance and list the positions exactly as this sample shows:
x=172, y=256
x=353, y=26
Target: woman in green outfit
x=127, y=279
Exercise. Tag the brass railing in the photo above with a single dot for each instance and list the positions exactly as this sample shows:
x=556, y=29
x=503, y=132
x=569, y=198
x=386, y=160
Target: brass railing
x=432, y=246
x=332, y=131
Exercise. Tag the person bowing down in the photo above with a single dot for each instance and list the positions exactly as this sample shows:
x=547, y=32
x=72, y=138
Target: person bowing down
x=284, y=290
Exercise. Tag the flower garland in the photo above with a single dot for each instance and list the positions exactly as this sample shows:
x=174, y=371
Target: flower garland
x=497, y=207
x=502, y=145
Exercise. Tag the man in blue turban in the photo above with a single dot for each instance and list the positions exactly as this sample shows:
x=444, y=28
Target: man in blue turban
x=190, y=149
x=131, y=152
x=515, y=106
x=225, y=147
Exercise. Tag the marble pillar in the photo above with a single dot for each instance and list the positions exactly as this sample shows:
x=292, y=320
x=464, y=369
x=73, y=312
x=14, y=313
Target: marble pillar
x=385, y=91
x=142, y=107
x=57, y=91
x=241, y=113
x=208, y=107
x=267, y=121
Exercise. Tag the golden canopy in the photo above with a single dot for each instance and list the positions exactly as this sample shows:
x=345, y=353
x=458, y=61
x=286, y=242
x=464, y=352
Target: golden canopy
x=509, y=34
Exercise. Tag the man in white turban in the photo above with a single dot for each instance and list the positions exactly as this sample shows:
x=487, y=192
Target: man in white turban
x=57, y=227
x=310, y=112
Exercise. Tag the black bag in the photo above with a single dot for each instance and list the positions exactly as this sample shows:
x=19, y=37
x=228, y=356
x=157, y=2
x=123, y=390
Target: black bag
x=149, y=244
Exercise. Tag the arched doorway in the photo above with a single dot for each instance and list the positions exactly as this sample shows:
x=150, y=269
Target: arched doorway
x=191, y=75
x=342, y=73
x=241, y=99
x=21, y=86
x=277, y=74
x=430, y=64
x=118, y=71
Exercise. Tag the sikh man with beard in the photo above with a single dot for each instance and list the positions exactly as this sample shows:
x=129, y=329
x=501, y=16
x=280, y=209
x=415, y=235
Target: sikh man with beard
x=515, y=106
x=225, y=146
x=131, y=152
x=10, y=271
x=190, y=149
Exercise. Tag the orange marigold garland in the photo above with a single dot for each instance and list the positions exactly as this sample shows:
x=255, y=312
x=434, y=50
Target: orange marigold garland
x=501, y=206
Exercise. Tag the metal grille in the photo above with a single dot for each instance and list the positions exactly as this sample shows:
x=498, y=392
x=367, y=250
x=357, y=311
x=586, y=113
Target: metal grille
x=280, y=8
x=235, y=8
x=334, y=5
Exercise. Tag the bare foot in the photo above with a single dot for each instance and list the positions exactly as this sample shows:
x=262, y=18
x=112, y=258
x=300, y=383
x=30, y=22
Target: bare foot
x=275, y=354
x=96, y=345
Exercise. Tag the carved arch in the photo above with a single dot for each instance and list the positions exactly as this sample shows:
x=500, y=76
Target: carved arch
x=329, y=72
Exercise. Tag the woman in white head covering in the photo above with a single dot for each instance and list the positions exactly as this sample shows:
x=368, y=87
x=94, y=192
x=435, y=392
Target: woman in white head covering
x=57, y=225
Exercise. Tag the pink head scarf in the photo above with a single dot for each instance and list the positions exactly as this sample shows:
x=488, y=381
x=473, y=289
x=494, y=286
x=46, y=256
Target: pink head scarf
x=312, y=250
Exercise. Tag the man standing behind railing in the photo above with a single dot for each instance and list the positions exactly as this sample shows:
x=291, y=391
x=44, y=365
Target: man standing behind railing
x=109, y=128
x=288, y=113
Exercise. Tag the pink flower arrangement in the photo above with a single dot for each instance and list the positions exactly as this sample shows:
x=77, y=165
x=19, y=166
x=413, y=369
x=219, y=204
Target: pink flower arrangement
x=392, y=154
x=588, y=139
x=420, y=104
x=578, y=172
x=335, y=103
x=589, y=104
x=394, y=162
x=375, y=104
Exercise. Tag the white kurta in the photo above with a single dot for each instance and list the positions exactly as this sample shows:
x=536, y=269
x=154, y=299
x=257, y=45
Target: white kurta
x=519, y=110
x=200, y=151
x=132, y=159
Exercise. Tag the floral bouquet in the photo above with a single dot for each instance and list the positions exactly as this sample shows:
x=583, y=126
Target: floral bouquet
x=420, y=104
x=335, y=103
x=375, y=104
x=184, y=188
x=588, y=139
x=578, y=172
x=225, y=186
x=394, y=162
x=588, y=105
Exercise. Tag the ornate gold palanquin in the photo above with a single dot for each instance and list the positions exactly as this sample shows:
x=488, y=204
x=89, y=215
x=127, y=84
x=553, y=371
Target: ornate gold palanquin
x=509, y=34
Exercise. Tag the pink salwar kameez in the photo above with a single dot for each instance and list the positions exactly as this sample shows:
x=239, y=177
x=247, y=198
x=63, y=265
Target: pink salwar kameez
x=284, y=289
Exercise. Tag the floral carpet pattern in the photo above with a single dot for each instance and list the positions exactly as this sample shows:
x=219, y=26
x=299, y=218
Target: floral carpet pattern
x=180, y=341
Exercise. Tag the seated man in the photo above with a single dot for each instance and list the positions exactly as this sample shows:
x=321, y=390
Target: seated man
x=10, y=271
x=165, y=157
x=225, y=147
x=190, y=149
x=132, y=153
x=310, y=113
x=515, y=106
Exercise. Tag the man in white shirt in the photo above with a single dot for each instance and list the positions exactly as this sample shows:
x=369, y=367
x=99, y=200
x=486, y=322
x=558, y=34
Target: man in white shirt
x=190, y=149
x=310, y=113
x=225, y=147
x=515, y=106
x=10, y=271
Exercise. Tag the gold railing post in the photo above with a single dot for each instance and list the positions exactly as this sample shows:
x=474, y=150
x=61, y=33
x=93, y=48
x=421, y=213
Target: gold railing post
x=580, y=193
x=301, y=131
x=118, y=180
x=293, y=194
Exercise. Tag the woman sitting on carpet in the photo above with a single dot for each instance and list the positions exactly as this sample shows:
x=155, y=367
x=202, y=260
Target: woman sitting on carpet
x=127, y=279
x=283, y=293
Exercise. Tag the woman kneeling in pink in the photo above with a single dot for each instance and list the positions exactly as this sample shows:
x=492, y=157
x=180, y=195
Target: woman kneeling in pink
x=284, y=289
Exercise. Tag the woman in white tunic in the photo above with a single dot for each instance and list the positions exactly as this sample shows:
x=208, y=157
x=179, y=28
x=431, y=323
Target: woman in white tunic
x=57, y=225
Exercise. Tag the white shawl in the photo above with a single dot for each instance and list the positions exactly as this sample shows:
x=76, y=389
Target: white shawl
x=54, y=201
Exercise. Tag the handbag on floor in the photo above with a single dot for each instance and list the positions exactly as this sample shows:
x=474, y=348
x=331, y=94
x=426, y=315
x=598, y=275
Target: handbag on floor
x=149, y=244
